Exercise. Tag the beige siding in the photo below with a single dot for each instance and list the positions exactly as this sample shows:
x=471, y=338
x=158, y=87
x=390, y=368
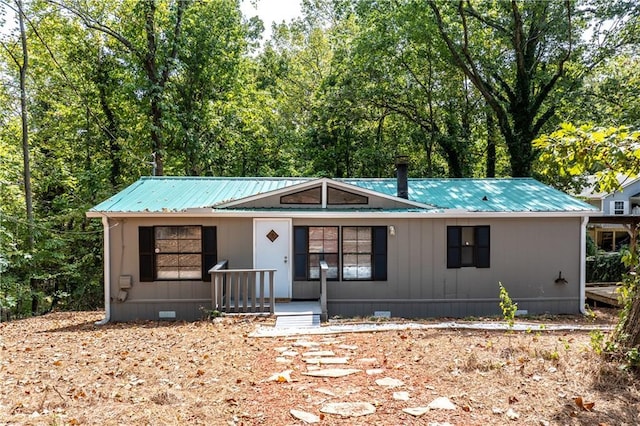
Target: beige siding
x=526, y=256
x=145, y=299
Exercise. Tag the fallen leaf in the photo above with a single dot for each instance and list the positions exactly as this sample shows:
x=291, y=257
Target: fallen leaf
x=513, y=400
x=585, y=406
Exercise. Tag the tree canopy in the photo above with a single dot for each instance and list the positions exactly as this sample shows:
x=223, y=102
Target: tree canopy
x=114, y=90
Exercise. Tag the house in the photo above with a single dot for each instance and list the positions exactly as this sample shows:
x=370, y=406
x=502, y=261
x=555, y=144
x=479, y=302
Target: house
x=620, y=212
x=410, y=247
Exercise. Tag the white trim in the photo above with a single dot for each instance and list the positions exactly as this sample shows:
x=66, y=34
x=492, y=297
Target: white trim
x=612, y=207
x=583, y=262
x=323, y=182
x=330, y=214
x=325, y=190
x=107, y=272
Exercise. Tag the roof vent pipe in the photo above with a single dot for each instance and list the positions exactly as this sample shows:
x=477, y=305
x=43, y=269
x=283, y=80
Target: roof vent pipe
x=402, y=166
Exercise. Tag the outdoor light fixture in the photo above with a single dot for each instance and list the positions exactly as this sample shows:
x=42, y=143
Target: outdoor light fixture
x=392, y=230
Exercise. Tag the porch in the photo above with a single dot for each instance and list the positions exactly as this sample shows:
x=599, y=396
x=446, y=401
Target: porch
x=251, y=291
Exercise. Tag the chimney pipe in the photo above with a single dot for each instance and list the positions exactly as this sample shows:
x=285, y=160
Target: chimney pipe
x=402, y=165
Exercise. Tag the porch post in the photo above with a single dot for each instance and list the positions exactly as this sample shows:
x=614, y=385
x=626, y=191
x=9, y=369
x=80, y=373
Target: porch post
x=323, y=291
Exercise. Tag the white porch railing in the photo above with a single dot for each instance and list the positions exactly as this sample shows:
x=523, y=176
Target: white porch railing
x=242, y=290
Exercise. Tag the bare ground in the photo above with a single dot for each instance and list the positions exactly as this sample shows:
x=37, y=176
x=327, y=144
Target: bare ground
x=62, y=369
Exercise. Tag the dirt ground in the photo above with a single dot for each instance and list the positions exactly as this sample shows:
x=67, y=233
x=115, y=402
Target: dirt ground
x=61, y=369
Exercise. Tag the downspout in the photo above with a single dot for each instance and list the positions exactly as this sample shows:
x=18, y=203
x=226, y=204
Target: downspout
x=107, y=272
x=583, y=262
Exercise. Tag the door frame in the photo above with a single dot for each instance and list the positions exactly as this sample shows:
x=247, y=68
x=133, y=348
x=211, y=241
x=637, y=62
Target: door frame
x=289, y=265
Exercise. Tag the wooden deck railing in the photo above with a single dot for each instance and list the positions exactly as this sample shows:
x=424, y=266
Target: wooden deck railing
x=242, y=290
x=324, y=268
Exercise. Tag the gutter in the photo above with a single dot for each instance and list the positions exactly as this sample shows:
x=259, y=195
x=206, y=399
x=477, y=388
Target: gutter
x=107, y=272
x=583, y=262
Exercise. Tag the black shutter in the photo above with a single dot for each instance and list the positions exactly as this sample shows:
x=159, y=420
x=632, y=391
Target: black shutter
x=300, y=252
x=482, y=246
x=146, y=253
x=209, y=250
x=379, y=241
x=454, y=242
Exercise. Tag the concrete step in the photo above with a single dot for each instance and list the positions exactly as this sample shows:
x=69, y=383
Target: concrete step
x=298, y=321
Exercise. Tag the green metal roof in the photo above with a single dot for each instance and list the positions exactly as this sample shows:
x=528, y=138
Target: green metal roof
x=175, y=194
x=157, y=194
x=481, y=195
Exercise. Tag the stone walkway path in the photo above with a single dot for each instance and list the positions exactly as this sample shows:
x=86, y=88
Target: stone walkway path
x=331, y=359
x=321, y=356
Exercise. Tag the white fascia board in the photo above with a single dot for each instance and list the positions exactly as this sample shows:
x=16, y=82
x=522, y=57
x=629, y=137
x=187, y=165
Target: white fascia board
x=329, y=214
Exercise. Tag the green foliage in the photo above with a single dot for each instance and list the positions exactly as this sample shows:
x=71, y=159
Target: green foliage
x=508, y=306
x=592, y=247
x=338, y=93
x=605, y=267
x=579, y=150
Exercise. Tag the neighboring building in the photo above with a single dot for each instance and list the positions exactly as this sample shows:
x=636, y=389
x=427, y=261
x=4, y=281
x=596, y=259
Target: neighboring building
x=620, y=211
x=415, y=248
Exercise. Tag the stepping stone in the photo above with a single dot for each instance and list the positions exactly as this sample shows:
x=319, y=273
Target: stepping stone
x=290, y=353
x=348, y=347
x=304, y=416
x=512, y=414
x=338, y=392
x=332, y=372
x=389, y=382
x=349, y=409
x=283, y=360
x=374, y=371
x=281, y=349
x=326, y=392
x=317, y=354
x=416, y=411
x=441, y=403
x=284, y=376
x=306, y=344
x=401, y=396
x=326, y=360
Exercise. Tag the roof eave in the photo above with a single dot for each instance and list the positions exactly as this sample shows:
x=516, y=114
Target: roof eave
x=329, y=214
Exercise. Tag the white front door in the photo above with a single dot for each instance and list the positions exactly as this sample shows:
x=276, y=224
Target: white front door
x=272, y=250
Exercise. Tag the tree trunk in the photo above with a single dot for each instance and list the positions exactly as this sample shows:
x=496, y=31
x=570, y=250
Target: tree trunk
x=112, y=125
x=629, y=332
x=492, y=137
x=28, y=196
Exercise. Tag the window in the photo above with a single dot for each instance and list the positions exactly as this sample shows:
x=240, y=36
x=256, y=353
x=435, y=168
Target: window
x=363, y=252
x=619, y=207
x=309, y=196
x=341, y=197
x=468, y=246
x=176, y=252
x=311, y=245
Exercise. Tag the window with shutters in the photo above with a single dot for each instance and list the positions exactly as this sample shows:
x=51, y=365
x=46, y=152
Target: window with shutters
x=176, y=252
x=363, y=251
x=311, y=245
x=468, y=246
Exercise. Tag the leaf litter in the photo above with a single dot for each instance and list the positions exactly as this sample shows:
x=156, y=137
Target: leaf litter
x=62, y=369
